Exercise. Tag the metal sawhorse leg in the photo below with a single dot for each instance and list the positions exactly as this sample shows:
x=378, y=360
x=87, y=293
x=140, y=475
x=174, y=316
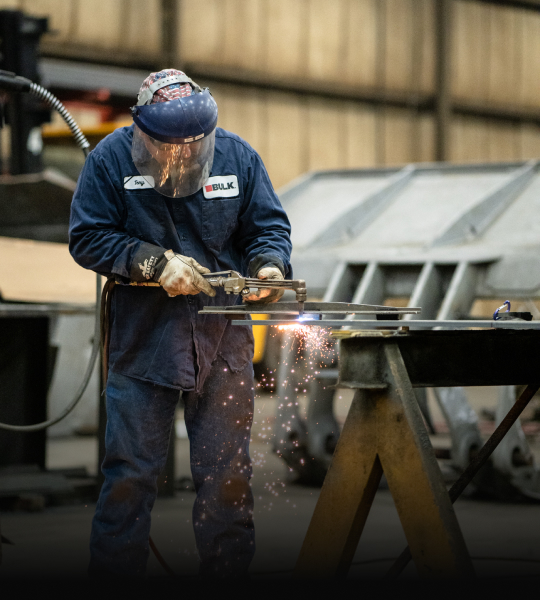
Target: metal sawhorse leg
x=384, y=431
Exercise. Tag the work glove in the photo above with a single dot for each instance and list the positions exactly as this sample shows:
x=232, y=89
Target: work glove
x=183, y=276
x=266, y=296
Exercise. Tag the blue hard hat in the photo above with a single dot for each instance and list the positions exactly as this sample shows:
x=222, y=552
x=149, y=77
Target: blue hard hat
x=179, y=121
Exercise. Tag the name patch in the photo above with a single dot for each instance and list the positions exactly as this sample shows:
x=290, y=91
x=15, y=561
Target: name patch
x=225, y=186
x=138, y=182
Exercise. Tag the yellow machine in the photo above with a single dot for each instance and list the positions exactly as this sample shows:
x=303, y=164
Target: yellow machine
x=259, y=333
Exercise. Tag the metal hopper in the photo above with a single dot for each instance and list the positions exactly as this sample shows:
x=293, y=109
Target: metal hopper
x=433, y=235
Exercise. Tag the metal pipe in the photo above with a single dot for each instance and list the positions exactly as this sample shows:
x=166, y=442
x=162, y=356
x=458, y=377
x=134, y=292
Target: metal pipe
x=355, y=327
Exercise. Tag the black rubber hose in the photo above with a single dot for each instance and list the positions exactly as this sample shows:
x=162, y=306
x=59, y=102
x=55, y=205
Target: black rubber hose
x=14, y=83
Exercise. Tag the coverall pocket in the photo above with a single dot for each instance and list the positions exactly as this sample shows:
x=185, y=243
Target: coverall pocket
x=145, y=216
x=236, y=347
x=219, y=220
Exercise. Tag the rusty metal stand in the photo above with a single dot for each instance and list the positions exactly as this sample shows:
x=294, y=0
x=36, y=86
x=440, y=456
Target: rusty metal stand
x=384, y=431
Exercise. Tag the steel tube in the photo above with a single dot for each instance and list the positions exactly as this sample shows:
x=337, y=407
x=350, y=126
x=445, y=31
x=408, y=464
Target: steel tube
x=360, y=325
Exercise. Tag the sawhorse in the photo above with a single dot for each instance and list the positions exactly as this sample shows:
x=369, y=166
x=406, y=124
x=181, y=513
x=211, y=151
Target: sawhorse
x=385, y=432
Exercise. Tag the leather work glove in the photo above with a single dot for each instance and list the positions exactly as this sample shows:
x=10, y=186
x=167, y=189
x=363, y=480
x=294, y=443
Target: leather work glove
x=266, y=296
x=182, y=276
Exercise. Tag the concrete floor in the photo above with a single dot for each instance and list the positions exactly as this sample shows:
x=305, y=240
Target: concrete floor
x=503, y=539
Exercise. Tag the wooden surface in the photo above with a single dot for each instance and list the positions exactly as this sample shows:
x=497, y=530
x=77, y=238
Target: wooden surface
x=42, y=272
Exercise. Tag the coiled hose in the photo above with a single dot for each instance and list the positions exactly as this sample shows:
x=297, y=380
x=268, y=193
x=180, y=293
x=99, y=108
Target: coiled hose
x=13, y=82
x=53, y=102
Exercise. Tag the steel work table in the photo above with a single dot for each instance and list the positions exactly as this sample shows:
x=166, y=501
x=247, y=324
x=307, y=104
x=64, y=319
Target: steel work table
x=385, y=432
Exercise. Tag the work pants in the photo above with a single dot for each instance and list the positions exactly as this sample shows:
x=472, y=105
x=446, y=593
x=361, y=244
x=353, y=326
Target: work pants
x=140, y=417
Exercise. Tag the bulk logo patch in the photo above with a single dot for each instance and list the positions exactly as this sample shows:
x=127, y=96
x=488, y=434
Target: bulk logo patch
x=225, y=186
x=138, y=182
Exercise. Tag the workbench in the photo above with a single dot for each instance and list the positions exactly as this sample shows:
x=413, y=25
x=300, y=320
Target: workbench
x=385, y=432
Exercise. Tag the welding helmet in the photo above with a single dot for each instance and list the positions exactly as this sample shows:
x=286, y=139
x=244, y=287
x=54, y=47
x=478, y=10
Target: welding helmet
x=174, y=134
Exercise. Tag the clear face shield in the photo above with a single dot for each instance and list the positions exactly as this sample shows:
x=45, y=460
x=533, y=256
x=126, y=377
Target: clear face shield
x=174, y=170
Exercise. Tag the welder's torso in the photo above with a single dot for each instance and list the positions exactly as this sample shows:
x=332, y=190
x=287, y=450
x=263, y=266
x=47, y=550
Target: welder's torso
x=154, y=337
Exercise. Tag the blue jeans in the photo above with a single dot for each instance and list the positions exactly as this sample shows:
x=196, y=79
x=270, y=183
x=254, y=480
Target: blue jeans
x=140, y=417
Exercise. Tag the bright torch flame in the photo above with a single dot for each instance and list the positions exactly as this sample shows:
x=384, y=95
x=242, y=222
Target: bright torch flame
x=315, y=338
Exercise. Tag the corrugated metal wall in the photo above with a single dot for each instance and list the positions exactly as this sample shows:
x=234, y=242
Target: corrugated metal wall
x=384, y=45
x=296, y=134
x=496, y=54
x=495, y=59
x=365, y=43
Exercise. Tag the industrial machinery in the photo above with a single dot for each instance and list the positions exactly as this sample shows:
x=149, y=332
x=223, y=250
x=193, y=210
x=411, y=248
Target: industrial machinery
x=35, y=205
x=432, y=235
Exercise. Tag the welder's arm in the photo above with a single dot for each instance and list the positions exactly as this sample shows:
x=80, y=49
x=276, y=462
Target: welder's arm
x=264, y=232
x=97, y=238
x=98, y=241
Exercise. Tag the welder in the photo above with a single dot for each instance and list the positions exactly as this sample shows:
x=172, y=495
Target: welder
x=167, y=200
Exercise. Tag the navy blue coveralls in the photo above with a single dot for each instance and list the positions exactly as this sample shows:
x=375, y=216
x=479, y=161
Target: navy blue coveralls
x=161, y=346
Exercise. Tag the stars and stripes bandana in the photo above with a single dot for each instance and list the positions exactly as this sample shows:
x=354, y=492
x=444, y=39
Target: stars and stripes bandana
x=169, y=92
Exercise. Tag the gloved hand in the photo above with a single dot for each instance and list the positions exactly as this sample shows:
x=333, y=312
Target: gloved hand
x=182, y=276
x=266, y=296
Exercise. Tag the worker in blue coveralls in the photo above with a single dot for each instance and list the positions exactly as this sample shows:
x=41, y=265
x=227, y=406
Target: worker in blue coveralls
x=166, y=200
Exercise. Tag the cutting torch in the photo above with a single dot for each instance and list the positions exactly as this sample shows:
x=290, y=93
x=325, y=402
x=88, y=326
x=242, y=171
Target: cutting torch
x=234, y=283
